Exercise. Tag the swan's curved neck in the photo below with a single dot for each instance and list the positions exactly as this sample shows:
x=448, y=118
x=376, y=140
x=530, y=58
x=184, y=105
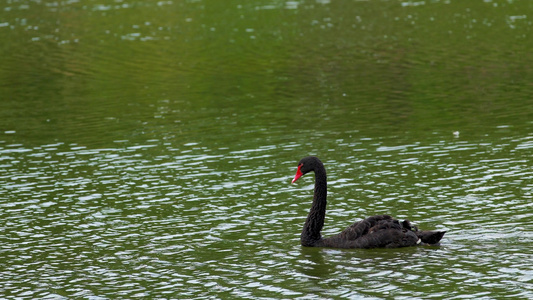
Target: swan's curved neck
x=315, y=220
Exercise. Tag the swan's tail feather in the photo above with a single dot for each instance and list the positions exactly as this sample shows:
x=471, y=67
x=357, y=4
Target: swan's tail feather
x=430, y=237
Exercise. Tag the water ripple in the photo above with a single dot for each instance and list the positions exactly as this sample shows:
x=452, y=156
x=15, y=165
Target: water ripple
x=100, y=222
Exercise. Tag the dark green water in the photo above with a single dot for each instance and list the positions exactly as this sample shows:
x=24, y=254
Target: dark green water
x=147, y=148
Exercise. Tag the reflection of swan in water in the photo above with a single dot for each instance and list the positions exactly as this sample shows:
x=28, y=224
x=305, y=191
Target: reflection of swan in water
x=380, y=231
x=313, y=264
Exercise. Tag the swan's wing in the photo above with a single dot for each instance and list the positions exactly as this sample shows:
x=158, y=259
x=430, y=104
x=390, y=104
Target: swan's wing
x=386, y=238
x=363, y=227
x=381, y=231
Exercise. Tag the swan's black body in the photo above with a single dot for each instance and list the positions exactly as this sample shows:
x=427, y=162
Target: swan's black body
x=374, y=232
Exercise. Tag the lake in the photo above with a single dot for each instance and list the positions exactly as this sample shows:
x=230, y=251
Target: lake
x=147, y=147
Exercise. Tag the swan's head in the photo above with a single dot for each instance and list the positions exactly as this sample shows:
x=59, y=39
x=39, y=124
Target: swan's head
x=306, y=165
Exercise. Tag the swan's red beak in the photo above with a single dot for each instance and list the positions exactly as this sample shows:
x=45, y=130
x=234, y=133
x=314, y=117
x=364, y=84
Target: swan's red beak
x=298, y=174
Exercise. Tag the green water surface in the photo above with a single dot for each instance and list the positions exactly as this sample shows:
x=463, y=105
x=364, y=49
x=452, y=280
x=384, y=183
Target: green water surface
x=147, y=147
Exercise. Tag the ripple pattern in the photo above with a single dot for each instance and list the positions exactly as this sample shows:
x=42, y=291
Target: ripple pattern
x=155, y=220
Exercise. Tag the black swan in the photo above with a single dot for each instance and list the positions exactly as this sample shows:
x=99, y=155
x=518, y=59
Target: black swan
x=374, y=232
